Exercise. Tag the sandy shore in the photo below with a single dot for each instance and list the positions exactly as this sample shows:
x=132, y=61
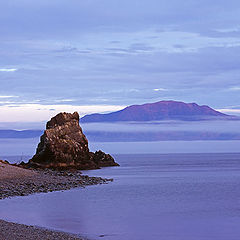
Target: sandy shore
x=16, y=181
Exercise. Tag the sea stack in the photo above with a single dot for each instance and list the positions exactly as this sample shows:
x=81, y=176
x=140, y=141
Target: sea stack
x=64, y=146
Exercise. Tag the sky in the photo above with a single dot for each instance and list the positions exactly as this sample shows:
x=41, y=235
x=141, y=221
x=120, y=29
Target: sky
x=102, y=55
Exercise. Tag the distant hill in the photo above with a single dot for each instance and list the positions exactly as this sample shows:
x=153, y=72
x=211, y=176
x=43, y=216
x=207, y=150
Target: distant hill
x=20, y=134
x=136, y=136
x=163, y=110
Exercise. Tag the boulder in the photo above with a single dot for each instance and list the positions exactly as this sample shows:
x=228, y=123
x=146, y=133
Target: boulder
x=103, y=160
x=64, y=146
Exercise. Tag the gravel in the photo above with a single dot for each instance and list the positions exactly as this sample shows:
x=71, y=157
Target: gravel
x=16, y=181
x=46, y=181
x=14, y=231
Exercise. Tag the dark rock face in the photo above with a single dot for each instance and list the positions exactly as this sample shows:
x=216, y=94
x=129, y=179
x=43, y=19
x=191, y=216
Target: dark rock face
x=64, y=146
x=103, y=160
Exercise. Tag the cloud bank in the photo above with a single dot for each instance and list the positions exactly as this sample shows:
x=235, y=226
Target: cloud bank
x=119, y=52
x=39, y=113
x=8, y=69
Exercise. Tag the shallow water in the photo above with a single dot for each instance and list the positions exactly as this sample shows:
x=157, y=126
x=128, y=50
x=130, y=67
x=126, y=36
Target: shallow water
x=154, y=197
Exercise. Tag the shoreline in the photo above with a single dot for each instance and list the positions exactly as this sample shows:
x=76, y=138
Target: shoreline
x=16, y=181
x=16, y=231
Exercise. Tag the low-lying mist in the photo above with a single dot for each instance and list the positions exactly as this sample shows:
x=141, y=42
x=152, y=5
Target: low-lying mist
x=219, y=126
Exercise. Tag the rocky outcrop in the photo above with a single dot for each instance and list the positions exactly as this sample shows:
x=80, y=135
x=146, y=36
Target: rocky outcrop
x=64, y=146
x=102, y=159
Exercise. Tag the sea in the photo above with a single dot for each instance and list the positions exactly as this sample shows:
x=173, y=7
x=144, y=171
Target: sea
x=161, y=191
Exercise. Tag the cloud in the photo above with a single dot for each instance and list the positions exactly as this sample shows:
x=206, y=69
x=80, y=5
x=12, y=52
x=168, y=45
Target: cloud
x=8, y=96
x=82, y=51
x=8, y=69
x=232, y=107
x=229, y=111
x=159, y=89
x=234, y=89
x=64, y=100
x=171, y=41
x=39, y=112
x=229, y=30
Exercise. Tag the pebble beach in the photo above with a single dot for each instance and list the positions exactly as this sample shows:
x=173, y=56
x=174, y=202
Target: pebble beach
x=16, y=181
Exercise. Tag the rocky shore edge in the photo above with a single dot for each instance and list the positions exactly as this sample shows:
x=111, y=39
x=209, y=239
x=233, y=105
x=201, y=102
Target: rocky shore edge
x=43, y=181
x=17, y=181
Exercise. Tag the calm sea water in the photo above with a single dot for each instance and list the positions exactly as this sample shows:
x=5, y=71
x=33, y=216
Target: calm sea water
x=153, y=197
x=22, y=147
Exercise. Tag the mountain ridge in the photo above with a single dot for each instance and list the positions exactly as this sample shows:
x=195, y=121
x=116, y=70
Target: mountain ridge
x=162, y=110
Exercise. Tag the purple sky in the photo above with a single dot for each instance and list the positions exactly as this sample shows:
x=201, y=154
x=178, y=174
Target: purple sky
x=69, y=55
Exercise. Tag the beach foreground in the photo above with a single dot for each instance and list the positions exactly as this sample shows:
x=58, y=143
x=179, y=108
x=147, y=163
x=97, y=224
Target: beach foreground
x=16, y=181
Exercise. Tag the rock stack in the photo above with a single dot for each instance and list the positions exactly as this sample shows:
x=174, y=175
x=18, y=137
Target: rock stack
x=64, y=146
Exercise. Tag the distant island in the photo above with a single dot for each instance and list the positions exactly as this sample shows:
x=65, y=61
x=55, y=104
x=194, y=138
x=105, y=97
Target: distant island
x=169, y=112
x=20, y=133
x=163, y=110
